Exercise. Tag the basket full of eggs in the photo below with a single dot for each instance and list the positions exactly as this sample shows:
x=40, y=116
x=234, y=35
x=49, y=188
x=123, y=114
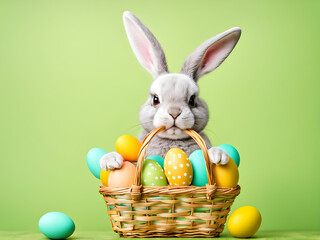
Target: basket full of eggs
x=180, y=197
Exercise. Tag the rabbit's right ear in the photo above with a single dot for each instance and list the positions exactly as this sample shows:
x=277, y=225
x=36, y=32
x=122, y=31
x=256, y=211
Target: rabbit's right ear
x=144, y=45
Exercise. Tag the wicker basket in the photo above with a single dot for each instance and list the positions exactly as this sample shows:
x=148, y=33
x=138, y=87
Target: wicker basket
x=169, y=211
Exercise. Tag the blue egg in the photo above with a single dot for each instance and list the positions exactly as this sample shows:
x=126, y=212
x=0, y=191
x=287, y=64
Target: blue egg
x=200, y=178
x=93, y=161
x=158, y=159
x=232, y=151
x=56, y=225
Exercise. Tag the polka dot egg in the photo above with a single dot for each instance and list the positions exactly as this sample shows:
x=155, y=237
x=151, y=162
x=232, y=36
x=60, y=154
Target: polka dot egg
x=178, y=168
x=152, y=174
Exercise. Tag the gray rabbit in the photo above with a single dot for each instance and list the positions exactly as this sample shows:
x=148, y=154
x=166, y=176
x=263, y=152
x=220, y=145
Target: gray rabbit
x=173, y=101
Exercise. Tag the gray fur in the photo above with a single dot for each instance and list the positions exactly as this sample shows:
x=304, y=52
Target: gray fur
x=160, y=64
x=174, y=91
x=194, y=63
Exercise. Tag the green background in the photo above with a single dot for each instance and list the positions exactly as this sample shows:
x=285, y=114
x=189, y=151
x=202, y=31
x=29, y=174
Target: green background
x=69, y=81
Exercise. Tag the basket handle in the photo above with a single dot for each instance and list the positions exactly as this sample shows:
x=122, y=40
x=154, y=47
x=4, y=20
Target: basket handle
x=190, y=132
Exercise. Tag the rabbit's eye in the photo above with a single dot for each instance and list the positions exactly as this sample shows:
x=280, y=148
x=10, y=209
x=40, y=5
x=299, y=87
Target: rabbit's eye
x=156, y=100
x=192, y=101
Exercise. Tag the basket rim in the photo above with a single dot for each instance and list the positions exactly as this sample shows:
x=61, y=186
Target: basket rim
x=169, y=190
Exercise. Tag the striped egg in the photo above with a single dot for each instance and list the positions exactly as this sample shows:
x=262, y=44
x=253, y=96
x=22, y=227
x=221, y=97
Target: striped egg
x=178, y=168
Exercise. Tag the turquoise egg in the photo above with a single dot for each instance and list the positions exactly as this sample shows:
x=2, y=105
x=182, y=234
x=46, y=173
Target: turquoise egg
x=232, y=151
x=200, y=178
x=56, y=225
x=158, y=159
x=93, y=161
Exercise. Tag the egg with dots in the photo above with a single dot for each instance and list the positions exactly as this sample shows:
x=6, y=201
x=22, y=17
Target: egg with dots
x=226, y=175
x=158, y=159
x=128, y=147
x=152, y=174
x=123, y=177
x=178, y=168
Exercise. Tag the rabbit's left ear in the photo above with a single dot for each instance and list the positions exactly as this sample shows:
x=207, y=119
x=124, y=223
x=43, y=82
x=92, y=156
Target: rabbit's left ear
x=144, y=45
x=210, y=54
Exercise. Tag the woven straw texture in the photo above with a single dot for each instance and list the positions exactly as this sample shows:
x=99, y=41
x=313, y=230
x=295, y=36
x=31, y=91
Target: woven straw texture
x=169, y=211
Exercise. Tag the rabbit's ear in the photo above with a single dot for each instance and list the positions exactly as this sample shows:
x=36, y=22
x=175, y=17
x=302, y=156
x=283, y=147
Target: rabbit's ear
x=144, y=45
x=210, y=54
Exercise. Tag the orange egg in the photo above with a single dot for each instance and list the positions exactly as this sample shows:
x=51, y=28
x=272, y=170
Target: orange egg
x=123, y=177
x=104, y=177
x=226, y=175
x=128, y=147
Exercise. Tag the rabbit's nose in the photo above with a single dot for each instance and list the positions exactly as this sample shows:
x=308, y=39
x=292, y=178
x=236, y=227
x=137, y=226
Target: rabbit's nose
x=174, y=112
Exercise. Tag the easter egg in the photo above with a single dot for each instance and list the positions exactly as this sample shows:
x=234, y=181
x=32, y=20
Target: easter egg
x=123, y=177
x=152, y=174
x=104, y=177
x=226, y=175
x=158, y=159
x=56, y=225
x=178, y=168
x=232, y=151
x=128, y=147
x=93, y=161
x=244, y=222
x=200, y=177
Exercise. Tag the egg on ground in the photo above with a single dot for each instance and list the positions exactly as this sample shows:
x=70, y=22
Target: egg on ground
x=244, y=222
x=56, y=225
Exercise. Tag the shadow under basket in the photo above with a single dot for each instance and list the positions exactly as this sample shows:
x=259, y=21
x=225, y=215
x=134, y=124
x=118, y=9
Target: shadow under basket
x=169, y=211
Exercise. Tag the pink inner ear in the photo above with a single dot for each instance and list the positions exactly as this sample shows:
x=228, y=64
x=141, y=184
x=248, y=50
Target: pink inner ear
x=146, y=53
x=142, y=46
x=217, y=53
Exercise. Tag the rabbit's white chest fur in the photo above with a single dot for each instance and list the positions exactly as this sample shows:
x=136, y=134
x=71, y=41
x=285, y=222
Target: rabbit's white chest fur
x=160, y=146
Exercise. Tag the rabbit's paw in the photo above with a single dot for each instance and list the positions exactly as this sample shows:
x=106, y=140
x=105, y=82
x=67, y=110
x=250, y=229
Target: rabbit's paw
x=218, y=156
x=111, y=161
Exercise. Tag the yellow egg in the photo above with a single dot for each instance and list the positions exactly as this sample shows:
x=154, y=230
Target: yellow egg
x=128, y=147
x=178, y=168
x=123, y=177
x=226, y=175
x=244, y=222
x=104, y=176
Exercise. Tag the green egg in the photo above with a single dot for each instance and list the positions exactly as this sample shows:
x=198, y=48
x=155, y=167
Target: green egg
x=152, y=174
x=158, y=159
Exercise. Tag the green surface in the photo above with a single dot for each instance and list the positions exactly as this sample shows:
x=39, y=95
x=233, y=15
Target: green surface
x=69, y=81
x=312, y=235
